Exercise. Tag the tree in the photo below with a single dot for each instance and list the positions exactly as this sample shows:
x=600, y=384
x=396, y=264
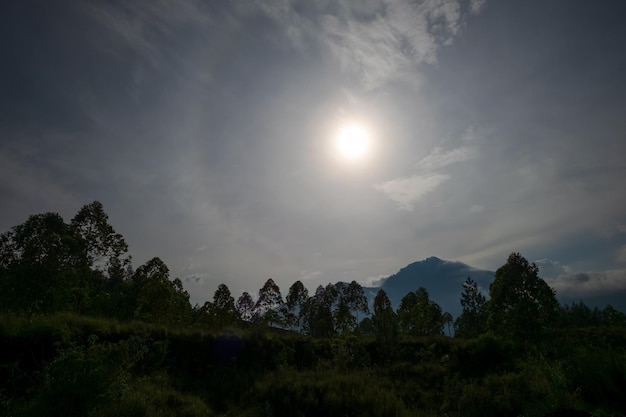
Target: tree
x=101, y=245
x=224, y=312
x=472, y=321
x=157, y=299
x=521, y=303
x=613, y=317
x=418, y=315
x=343, y=320
x=245, y=307
x=405, y=311
x=41, y=267
x=317, y=312
x=384, y=320
x=352, y=300
x=293, y=307
x=366, y=328
x=580, y=315
x=47, y=265
x=268, y=304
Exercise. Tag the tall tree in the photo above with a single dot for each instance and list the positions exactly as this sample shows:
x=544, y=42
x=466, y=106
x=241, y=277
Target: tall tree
x=318, y=314
x=343, y=320
x=473, y=320
x=293, y=307
x=268, y=304
x=155, y=298
x=41, y=267
x=612, y=317
x=405, y=312
x=224, y=312
x=102, y=246
x=245, y=307
x=419, y=315
x=352, y=300
x=521, y=304
x=384, y=319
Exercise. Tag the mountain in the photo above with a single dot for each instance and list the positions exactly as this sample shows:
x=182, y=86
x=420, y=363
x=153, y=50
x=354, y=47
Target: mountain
x=444, y=282
x=442, y=279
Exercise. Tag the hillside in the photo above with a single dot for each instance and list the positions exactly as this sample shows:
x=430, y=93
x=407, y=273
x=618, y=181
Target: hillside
x=442, y=279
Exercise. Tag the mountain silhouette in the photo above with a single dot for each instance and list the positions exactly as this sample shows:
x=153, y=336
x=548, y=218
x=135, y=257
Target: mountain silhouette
x=444, y=282
x=442, y=279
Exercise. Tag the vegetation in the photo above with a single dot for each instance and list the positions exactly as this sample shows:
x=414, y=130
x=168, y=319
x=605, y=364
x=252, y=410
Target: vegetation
x=84, y=334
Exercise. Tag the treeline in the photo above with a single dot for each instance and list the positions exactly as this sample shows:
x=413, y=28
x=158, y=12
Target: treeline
x=85, y=334
x=48, y=266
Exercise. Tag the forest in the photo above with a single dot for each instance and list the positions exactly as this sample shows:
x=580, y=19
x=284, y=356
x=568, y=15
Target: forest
x=84, y=333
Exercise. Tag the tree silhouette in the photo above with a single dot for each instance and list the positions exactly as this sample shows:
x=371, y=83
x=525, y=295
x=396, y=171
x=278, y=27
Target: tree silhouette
x=41, y=267
x=384, y=320
x=318, y=314
x=223, y=311
x=293, y=307
x=268, y=304
x=245, y=307
x=418, y=315
x=473, y=320
x=101, y=245
x=521, y=303
x=156, y=298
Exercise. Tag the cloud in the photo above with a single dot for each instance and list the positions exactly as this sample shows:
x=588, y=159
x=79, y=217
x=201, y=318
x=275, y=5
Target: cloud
x=379, y=40
x=201, y=249
x=196, y=278
x=588, y=283
x=476, y=208
x=438, y=158
x=407, y=191
x=551, y=269
x=374, y=281
x=476, y=6
x=307, y=275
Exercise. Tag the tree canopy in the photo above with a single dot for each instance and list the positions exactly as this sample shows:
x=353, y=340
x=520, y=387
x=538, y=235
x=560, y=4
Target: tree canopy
x=521, y=304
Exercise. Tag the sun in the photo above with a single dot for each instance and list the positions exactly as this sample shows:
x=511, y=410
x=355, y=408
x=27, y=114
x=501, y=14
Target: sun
x=352, y=142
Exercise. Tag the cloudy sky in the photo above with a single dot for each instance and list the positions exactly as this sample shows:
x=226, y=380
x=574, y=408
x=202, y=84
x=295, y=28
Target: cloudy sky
x=208, y=128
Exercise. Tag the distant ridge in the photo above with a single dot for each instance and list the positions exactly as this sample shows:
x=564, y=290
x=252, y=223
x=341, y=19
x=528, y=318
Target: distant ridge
x=442, y=279
x=444, y=282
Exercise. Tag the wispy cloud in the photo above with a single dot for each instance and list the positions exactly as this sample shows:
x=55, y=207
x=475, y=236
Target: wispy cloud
x=551, y=269
x=439, y=158
x=407, y=191
x=308, y=275
x=476, y=6
x=379, y=40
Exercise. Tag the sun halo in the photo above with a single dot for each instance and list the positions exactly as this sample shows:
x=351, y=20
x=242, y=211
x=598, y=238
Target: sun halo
x=352, y=142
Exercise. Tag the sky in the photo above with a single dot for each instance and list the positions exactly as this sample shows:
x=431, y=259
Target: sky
x=208, y=131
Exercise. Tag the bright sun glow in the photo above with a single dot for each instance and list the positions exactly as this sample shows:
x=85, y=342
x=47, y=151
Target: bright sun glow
x=352, y=141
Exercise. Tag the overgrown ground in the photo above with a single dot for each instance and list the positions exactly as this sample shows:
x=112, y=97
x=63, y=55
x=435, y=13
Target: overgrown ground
x=69, y=365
